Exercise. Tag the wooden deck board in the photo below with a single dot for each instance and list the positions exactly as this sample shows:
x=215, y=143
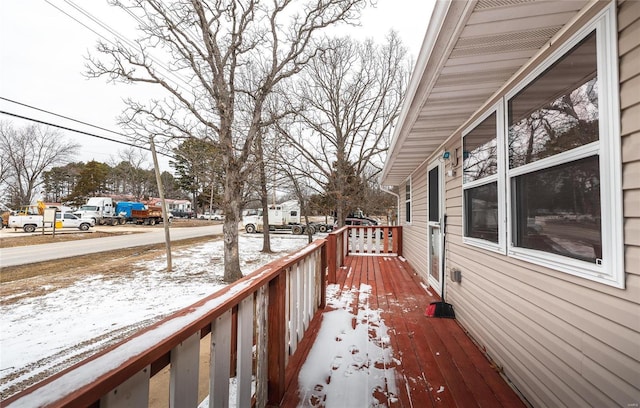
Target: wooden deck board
x=434, y=363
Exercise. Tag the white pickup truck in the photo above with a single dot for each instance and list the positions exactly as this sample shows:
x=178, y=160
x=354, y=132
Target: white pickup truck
x=29, y=222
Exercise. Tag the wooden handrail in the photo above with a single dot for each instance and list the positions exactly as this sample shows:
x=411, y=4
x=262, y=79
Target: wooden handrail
x=128, y=365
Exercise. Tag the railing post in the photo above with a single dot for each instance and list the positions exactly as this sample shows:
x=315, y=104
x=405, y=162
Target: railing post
x=345, y=244
x=276, y=339
x=332, y=257
x=399, y=233
x=324, y=264
x=262, y=313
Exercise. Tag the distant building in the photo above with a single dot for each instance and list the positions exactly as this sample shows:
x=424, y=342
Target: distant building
x=172, y=205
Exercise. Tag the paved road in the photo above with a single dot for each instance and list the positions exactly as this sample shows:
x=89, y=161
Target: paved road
x=45, y=252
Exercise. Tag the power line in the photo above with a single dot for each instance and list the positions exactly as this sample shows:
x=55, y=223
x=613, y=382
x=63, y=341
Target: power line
x=81, y=132
x=62, y=116
x=118, y=36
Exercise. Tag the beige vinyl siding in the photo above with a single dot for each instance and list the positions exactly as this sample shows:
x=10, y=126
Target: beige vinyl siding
x=561, y=339
x=414, y=235
x=629, y=50
x=453, y=199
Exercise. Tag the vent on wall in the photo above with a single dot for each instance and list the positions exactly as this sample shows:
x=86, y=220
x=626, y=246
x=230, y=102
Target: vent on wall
x=489, y=4
x=455, y=275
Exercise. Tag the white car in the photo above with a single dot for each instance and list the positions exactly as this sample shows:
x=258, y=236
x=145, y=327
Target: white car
x=215, y=217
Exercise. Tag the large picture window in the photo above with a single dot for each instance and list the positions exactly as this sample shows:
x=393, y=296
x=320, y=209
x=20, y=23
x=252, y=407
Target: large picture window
x=556, y=206
x=547, y=156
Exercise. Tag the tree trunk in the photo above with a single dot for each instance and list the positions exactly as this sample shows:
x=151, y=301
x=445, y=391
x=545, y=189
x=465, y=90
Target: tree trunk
x=266, y=236
x=211, y=202
x=232, y=201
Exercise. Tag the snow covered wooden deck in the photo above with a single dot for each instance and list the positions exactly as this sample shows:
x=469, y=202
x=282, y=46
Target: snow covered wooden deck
x=373, y=345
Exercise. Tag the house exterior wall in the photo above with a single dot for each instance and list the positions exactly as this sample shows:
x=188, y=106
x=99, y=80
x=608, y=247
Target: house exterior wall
x=414, y=233
x=561, y=339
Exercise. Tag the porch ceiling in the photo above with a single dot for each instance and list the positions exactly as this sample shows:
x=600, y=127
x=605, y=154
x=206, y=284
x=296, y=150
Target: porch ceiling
x=470, y=50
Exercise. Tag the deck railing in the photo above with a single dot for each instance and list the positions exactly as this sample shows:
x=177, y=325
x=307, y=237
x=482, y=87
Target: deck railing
x=361, y=240
x=251, y=329
x=254, y=326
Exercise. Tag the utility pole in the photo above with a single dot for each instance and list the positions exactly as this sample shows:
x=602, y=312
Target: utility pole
x=165, y=218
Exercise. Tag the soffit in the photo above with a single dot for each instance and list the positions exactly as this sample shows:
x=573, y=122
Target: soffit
x=474, y=49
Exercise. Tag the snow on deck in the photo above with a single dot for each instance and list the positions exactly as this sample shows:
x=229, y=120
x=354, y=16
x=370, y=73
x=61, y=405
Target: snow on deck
x=351, y=362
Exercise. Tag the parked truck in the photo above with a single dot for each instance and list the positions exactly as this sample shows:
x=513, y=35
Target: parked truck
x=138, y=213
x=105, y=211
x=102, y=210
x=282, y=217
x=29, y=218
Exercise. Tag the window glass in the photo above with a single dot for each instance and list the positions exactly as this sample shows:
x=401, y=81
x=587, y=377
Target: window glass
x=434, y=249
x=558, y=210
x=434, y=195
x=481, y=212
x=480, y=151
x=407, y=198
x=559, y=110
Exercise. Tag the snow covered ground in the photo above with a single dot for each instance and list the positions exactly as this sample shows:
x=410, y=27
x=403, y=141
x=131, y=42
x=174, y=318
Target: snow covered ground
x=42, y=335
x=351, y=363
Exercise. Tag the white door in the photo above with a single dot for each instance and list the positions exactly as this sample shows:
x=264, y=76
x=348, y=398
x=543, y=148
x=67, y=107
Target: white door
x=435, y=207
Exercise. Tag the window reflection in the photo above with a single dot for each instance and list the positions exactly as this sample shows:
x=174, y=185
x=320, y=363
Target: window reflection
x=480, y=157
x=558, y=210
x=559, y=110
x=481, y=209
x=434, y=245
x=407, y=198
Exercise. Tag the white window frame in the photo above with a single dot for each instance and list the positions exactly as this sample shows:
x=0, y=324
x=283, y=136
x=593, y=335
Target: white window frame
x=409, y=200
x=499, y=178
x=611, y=270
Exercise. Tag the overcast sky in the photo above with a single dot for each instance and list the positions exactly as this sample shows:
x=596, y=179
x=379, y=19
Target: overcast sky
x=42, y=53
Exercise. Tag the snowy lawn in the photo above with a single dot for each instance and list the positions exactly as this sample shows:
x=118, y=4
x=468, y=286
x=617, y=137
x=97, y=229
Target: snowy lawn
x=41, y=335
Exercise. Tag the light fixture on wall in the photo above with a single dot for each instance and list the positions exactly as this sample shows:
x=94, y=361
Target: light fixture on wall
x=452, y=160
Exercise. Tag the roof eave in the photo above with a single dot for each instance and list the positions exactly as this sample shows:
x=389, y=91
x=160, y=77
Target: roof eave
x=448, y=18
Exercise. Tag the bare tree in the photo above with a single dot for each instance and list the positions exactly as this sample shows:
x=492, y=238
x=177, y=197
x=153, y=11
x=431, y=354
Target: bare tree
x=299, y=180
x=262, y=179
x=27, y=153
x=225, y=58
x=352, y=94
x=131, y=174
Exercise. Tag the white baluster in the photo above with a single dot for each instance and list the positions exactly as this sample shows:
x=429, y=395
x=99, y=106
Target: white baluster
x=245, y=352
x=132, y=393
x=185, y=359
x=220, y=365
